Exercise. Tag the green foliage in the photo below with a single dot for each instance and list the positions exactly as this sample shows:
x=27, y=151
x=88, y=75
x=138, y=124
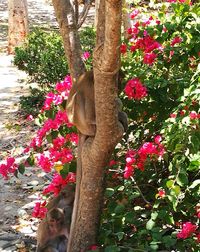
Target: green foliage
x=42, y=57
x=136, y=217
x=31, y=104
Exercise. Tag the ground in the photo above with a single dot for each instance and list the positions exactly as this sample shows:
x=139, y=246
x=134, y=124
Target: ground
x=18, y=195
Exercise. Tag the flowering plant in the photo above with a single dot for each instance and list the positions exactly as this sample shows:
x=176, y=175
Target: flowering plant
x=152, y=194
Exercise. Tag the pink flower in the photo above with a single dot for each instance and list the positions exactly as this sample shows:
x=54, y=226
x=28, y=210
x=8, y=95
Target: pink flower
x=135, y=90
x=161, y=193
x=128, y=172
x=149, y=58
x=39, y=210
x=187, y=230
x=123, y=48
x=112, y=162
x=173, y=115
x=86, y=55
x=8, y=167
x=44, y=162
x=29, y=118
x=64, y=86
x=93, y=247
x=176, y=40
x=193, y=115
x=59, y=182
x=158, y=139
x=134, y=13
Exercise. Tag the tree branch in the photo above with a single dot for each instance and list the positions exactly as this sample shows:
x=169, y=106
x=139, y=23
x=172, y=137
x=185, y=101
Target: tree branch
x=66, y=18
x=84, y=13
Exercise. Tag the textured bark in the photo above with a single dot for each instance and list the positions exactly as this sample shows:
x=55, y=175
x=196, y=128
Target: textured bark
x=68, y=27
x=95, y=151
x=126, y=18
x=17, y=23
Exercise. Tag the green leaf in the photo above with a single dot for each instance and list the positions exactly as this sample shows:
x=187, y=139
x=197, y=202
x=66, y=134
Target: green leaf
x=169, y=183
x=109, y=192
x=120, y=235
x=112, y=248
x=194, y=184
x=150, y=224
x=177, y=190
x=31, y=160
x=21, y=168
x=182, y=179
x=154, y=215
x=129, y=217
x=119, y=209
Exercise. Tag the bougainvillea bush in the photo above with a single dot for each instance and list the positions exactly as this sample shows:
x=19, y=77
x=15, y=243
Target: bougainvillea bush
x=152, y=182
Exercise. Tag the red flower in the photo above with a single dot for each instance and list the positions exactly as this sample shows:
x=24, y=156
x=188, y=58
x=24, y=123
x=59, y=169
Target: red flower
x=39, y=210
x=134, y=13
x=123, y=48
x=149, y=58
x=187, y=230
x=135, y=90
x=176, y=40
x=161, y=193
x=193, y=115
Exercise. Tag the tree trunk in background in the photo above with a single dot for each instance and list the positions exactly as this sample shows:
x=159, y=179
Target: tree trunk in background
x=17, y=23
x=126, y=17
x=95, y=151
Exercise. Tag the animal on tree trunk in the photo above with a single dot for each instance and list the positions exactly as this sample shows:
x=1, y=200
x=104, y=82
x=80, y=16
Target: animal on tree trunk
x=81, y=105
x=53, y=231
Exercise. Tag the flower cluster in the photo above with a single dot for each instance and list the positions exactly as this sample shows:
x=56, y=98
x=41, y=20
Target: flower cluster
x=62, y=89
x=137, y=158
x=58, y=182
x=8, y=167
x=187, y=230
x=39, y=210
x=50, y=124
x=135, y=90
x=86, y=55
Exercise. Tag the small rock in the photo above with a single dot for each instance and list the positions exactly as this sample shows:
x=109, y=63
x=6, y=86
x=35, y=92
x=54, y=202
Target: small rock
x=22, y=213
x=33, y=183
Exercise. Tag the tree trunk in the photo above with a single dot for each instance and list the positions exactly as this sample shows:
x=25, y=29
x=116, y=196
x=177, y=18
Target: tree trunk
x=17, y=23
x=68, y=27
x=95, y=151
x=126, y=18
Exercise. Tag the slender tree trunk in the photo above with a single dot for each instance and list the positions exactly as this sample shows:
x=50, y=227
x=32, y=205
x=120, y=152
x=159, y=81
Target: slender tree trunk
x=95, y=151
x=17, y=23
x=68, y=27
x=126, y=17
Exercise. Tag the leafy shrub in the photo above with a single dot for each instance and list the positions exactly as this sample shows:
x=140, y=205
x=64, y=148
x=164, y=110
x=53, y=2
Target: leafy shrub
x=42, y=57
x=31, y=104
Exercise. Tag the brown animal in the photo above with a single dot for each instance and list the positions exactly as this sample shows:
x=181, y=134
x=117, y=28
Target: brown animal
x=53, y=231
x=81, y=105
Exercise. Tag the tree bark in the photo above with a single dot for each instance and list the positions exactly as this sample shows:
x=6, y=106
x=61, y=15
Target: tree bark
x=95, y=152
x=17, y=23
x=68, y=27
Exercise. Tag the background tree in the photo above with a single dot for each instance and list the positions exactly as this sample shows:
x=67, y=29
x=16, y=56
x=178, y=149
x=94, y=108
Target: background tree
x=96, y=151
x=17, y=23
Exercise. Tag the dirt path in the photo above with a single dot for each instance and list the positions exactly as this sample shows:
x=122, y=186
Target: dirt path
x=18, y=195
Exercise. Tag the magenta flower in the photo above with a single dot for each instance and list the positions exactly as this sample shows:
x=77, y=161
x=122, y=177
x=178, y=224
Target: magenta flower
x=187, y=230
x=135, y=90
x=149, y=58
